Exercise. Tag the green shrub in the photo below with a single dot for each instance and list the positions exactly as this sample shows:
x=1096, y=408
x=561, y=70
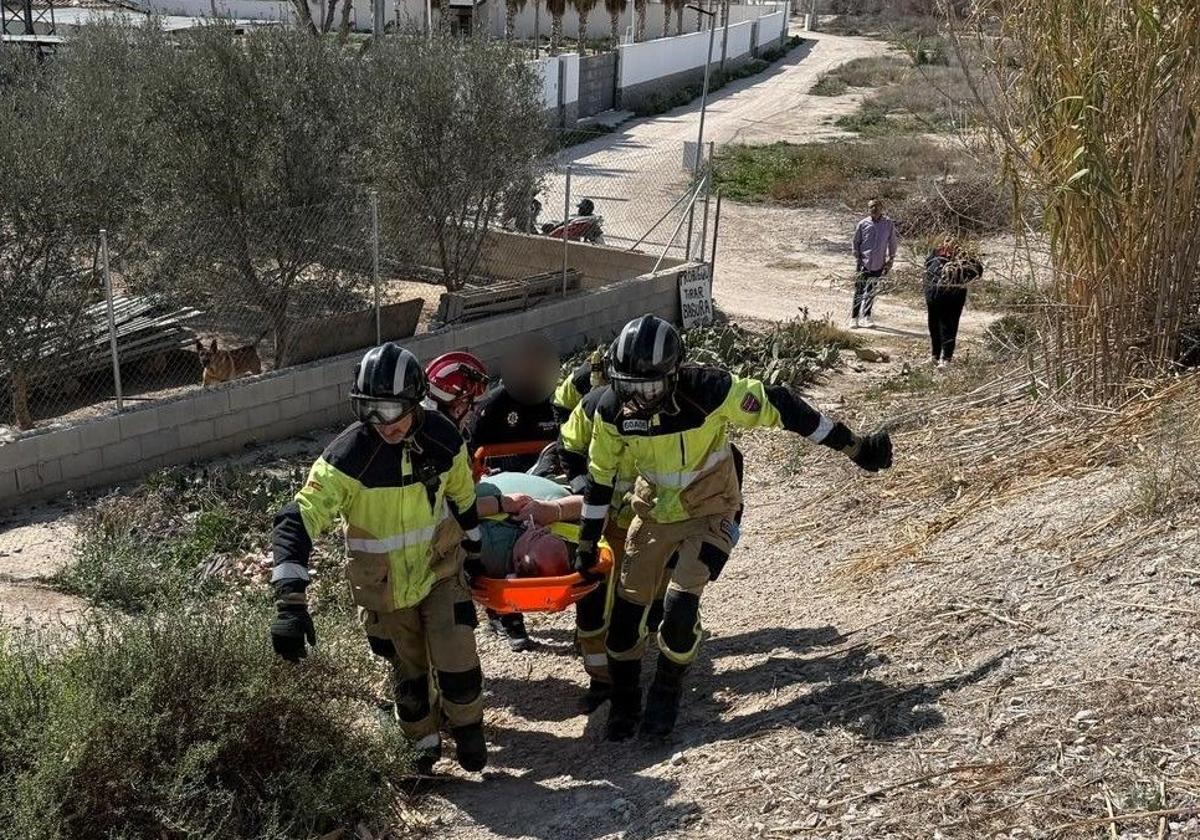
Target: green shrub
x=791, y=354
x=829, y=85
x=182, y=724
x=849, y=172
x=133, y=549
x=1009, y=335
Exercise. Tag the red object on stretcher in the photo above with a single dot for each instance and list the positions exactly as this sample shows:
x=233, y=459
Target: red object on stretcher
x=504, y=450
x=533, y=594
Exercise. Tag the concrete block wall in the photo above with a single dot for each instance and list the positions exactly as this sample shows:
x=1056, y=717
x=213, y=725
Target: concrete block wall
x=280, y=404
x=597, y=83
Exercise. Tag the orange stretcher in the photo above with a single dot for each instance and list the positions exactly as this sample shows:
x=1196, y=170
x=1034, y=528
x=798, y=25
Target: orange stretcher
x=545, y=594
x=504, y=450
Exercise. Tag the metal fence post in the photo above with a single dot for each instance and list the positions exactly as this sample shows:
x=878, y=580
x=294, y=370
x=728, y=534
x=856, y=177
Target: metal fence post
x=375, y=262
x=707, y=192
x=566, y=228
x=112, y=321
x=716, y=231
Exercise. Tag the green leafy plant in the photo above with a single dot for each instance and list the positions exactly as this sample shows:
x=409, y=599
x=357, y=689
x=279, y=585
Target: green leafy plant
x=181, y=723
x=792, y=354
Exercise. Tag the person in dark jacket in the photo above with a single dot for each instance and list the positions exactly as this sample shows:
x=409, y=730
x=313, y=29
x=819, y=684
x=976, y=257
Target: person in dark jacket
x=947, y=274
x=518, y=410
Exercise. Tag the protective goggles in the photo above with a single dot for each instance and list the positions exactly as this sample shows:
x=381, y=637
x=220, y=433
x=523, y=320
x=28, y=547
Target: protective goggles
x=641, y=392
x=381, y=412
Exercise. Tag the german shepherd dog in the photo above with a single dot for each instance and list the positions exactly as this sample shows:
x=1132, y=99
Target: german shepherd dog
x=223, y=365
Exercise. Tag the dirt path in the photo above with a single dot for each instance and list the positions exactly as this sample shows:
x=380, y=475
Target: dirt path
x=772, y=635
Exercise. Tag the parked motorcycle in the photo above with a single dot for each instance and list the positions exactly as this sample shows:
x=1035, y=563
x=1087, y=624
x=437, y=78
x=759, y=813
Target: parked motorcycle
x=584, y=226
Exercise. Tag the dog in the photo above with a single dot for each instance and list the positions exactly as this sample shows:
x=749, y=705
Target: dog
x=224, y=365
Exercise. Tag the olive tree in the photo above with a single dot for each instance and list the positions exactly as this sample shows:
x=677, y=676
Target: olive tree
x=257, y=202
x=456, y=128
x=71, y=162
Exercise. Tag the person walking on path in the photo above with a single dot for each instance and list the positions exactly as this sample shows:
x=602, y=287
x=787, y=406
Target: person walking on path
x=947, y=273
x=875, y=244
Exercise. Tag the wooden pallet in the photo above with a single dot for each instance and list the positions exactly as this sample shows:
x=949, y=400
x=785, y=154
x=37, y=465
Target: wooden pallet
x=474, y=302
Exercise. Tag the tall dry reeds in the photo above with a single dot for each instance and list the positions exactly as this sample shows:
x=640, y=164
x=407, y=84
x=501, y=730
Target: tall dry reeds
x=1098, y=115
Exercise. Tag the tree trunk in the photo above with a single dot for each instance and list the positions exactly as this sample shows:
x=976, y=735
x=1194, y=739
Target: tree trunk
x=304, y=16
x=20, y=399
x=699, y=15
x=725, y=13
x=679, y=20
x=639, y=32
x=444, y=16
x=582, y=34
x=510, y=20
x=330, y=12
x=614, y=21
x=666, y=19
x=344, y=25
x=555, y=33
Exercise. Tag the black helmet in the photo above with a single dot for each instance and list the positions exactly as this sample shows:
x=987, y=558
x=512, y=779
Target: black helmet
x=585, y=208
x=643, y=362
x=389, y=383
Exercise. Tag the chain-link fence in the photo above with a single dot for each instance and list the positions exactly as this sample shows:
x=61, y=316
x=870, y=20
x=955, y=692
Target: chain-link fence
x=105, y=322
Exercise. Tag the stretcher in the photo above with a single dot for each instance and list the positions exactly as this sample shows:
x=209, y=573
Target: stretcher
x=532, y=594
x=544, y=594
x=503, y=450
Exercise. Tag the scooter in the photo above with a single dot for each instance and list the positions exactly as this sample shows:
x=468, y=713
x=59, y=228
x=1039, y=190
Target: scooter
x=584, y=226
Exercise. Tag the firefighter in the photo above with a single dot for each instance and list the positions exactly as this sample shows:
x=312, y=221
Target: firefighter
x=672, y=422
x=587, y=376
x=457, y=380
x=393, y=477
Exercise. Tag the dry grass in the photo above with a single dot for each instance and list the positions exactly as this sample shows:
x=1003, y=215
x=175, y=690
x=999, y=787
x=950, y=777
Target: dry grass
x=1099, y=115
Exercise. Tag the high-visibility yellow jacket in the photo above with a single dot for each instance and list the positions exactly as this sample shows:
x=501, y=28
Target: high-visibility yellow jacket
x=686, y=444
x=576, y=438
x=571, y=391
x=391, y=499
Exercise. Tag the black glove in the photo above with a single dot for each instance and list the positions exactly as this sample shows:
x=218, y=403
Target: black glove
x=873, y=452
x=587, y=555
x=292, y=625
x=473, y=563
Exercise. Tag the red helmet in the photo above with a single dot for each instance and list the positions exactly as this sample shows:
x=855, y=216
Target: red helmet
x=539, y=553
x=456, y=380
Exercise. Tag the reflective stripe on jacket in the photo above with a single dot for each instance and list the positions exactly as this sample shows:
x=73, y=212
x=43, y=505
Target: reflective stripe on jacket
x=391, y=499
x=675, y=449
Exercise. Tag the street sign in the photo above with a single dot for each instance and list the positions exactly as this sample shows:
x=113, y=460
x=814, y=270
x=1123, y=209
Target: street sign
x=695, y=296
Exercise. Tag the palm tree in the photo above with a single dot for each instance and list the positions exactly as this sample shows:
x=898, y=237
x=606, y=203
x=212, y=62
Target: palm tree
x=511, y=9
x=614, y=9
x=556, y=8
x=680, y=5
x=639, y=30
x=666, y=18
x=584, y=8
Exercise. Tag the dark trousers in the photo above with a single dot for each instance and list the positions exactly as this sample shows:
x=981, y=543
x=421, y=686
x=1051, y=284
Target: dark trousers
x=866, y=287
x=945, y=307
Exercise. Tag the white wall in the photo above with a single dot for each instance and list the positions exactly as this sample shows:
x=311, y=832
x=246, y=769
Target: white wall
x=547, y=68
x=663, y=57
x=770, y=27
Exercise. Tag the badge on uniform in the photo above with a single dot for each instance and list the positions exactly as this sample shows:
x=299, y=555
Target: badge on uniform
x=750, y=404
x=513, y=418
x=635, y=425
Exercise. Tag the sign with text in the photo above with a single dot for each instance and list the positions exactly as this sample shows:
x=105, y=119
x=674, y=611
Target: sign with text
x=695, y=296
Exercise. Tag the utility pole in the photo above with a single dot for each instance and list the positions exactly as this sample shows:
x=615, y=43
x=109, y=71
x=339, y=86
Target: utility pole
x=712, y=34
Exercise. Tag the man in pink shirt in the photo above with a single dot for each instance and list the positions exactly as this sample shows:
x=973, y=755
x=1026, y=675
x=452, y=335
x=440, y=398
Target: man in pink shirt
x=875, y=244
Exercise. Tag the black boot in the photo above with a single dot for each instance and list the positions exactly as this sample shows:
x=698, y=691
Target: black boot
x=598, y=692
x=428, y=757
x=472, y=749
x=626, y=708
x=662, y=701
x=511, y=626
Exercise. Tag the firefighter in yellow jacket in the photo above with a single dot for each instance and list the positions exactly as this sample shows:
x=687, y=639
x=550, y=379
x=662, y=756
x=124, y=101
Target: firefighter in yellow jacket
x=392, y=478
x=672, y=422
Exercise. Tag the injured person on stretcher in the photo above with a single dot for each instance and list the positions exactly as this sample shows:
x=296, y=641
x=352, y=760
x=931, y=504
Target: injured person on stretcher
x=529, y=525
